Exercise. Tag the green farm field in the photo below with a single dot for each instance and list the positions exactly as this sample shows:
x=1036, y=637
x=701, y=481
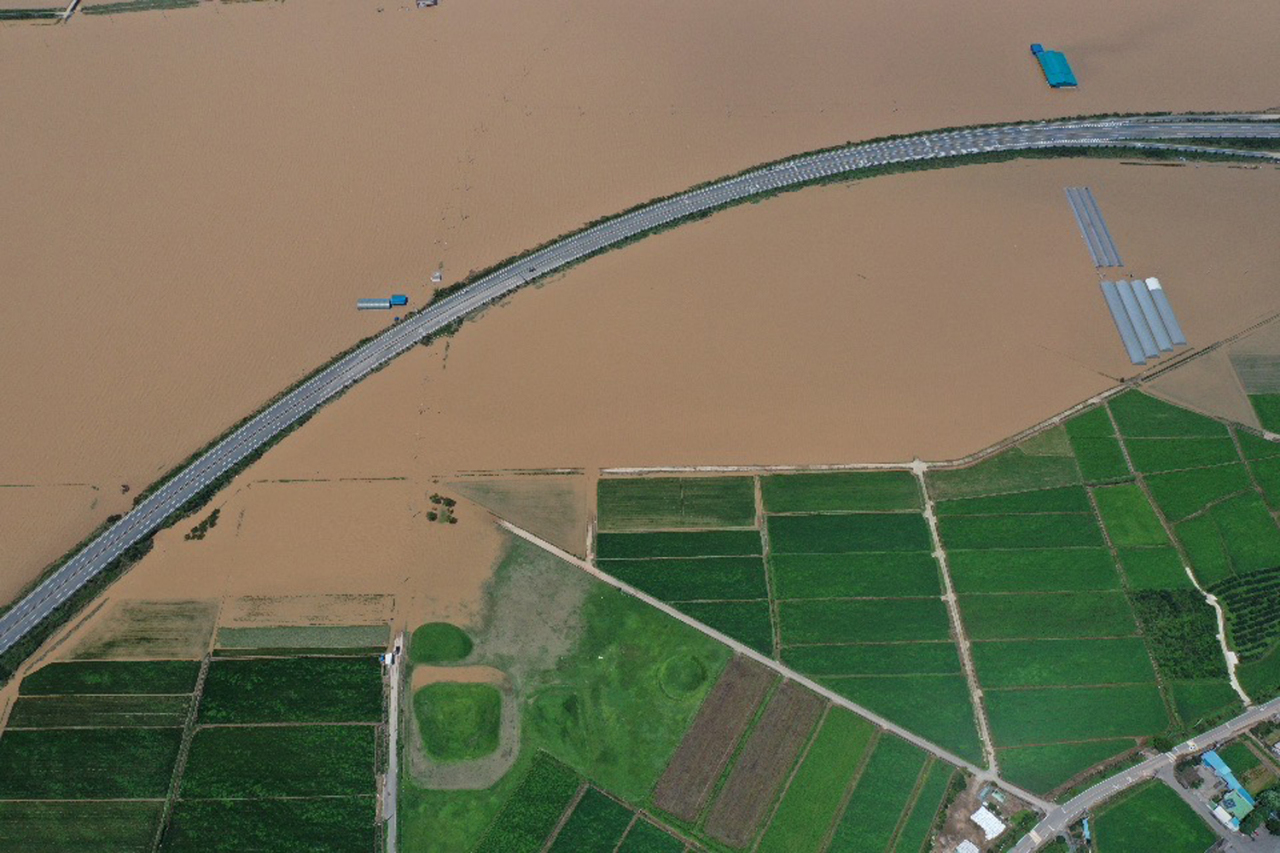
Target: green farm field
x=817, y=790
x=293, y=690
x=1151, y=817
x=1141, y=416
x=940, y=658
x=1093, y=440
x=1063, y=499
x=693, y=543
x=864, y=575
x=863, y=620
x=937, y=707
x=98, y=711
x=78, y=827
x=1128, y=517
x=1199, y=701
x=87, y=764
x=1052, y=663
x=645, y=837
x=150, y=677
x=330, y=824
x=705, y=579
x=982, y=532
x=883, y=791
x=746, y=621
x=1267, y=407
x=1048, y=615
x=1154, y=568
x=915, y=830
x=1183, y=493
x=656, y=503
x=1267, y=474
x=280, y=761
x=596, y=825
x=842, y=491
x=1062, y=570
x=1056, y=714
x=1154, y=455
x=839, y=534
x=1013, y=470
x=1041, y=769
x=530, y=814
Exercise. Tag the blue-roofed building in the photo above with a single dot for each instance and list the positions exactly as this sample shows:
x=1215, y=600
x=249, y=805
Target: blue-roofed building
x=1057, y=71
x=1237, y=802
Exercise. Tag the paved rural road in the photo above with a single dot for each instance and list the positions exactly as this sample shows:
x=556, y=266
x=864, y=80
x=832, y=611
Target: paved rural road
x=1133, y=132
x=1066, y=815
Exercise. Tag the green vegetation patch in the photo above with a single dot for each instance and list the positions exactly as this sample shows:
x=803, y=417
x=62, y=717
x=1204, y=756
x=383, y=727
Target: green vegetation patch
x=1047, y=616
x=1062, y=570
x=327, y=825
x=694, y=543
x=842, y=491
x=98, y=711
x=1150, y=817
x=1267, y=406
x=1051, y=663
x=1065, y=499
x=648, y=503
x=1261, y=678
x=1255, y=446
x=1040, y=769
x=1181, y=630
x=682, y=674
x=305, y=638
x=532, y=811
x=645, y=837
x=1128, y=516
x=1012, y=470
x=78, y=827
x=30, y=14
x=1055, y=714
x=1239, y=757
x=596, y=825
x=150, y=677
x=1198, y=702
x=985, y=532
x=87, y=764
x=1267, y=474
x=1141, y=416
x=439, y=642
x=280, y=761
x=1153, y=455
x=1154, y=568
x=937, y=707
x=704, y=579
x=915, y=831
x=881, y=795
x=840, y=534
x=747, y=622
x=293, y=690
x=1183, y=493
x=1205, y=549
x=817, y=790
x=864, y=575
x=1248, y=532
x=458, y=721
x=863, y=620
x=1093, y=439
x=875, y=659
x=1253, y=610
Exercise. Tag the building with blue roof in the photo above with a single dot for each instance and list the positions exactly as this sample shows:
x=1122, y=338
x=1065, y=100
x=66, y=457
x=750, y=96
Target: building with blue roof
x=1237, y=802
x=1057, y=71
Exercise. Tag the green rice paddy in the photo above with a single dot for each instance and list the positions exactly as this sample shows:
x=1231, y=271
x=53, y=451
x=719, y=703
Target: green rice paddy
x=708, y=578
x=1048, y=663
x=1150, y=817
x=838, y=534
x=863, y=620
x=1063, y=570
x=655, y=503
x=881, y=795
x=1041, y=769
x=1128, y=516
x=864, y=575
x=982, y=532
x=939, y=658
x=1048, y=616
x=703, y=543
x=1056, y=714
x=1183, y=493
x=1065, y=499
x=842, y=491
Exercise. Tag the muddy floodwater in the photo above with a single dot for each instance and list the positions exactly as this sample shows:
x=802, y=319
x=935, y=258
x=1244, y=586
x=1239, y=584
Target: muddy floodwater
x=194, y=200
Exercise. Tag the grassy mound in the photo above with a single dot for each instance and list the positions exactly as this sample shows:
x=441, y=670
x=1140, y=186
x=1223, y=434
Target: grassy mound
x=439, y=642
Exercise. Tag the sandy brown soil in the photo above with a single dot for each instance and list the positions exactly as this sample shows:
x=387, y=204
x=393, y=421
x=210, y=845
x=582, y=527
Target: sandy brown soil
x=195, y=199
x=39, y=523
x=1207, y=384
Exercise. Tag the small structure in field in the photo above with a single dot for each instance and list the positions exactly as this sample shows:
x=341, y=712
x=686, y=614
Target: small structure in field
x=1057, y=71
x=987, y=821
x=967, y=847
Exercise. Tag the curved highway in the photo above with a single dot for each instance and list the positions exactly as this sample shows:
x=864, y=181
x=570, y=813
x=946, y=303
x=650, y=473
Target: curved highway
x=1165, y=132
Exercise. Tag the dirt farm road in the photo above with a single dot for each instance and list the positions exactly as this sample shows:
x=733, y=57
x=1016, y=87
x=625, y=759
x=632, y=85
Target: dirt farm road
x=1170, y=133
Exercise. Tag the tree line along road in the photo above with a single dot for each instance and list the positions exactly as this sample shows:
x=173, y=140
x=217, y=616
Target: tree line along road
x=1170, y=133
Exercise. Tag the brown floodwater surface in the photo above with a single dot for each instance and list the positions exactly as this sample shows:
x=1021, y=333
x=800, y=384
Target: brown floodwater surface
x=193, y=201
